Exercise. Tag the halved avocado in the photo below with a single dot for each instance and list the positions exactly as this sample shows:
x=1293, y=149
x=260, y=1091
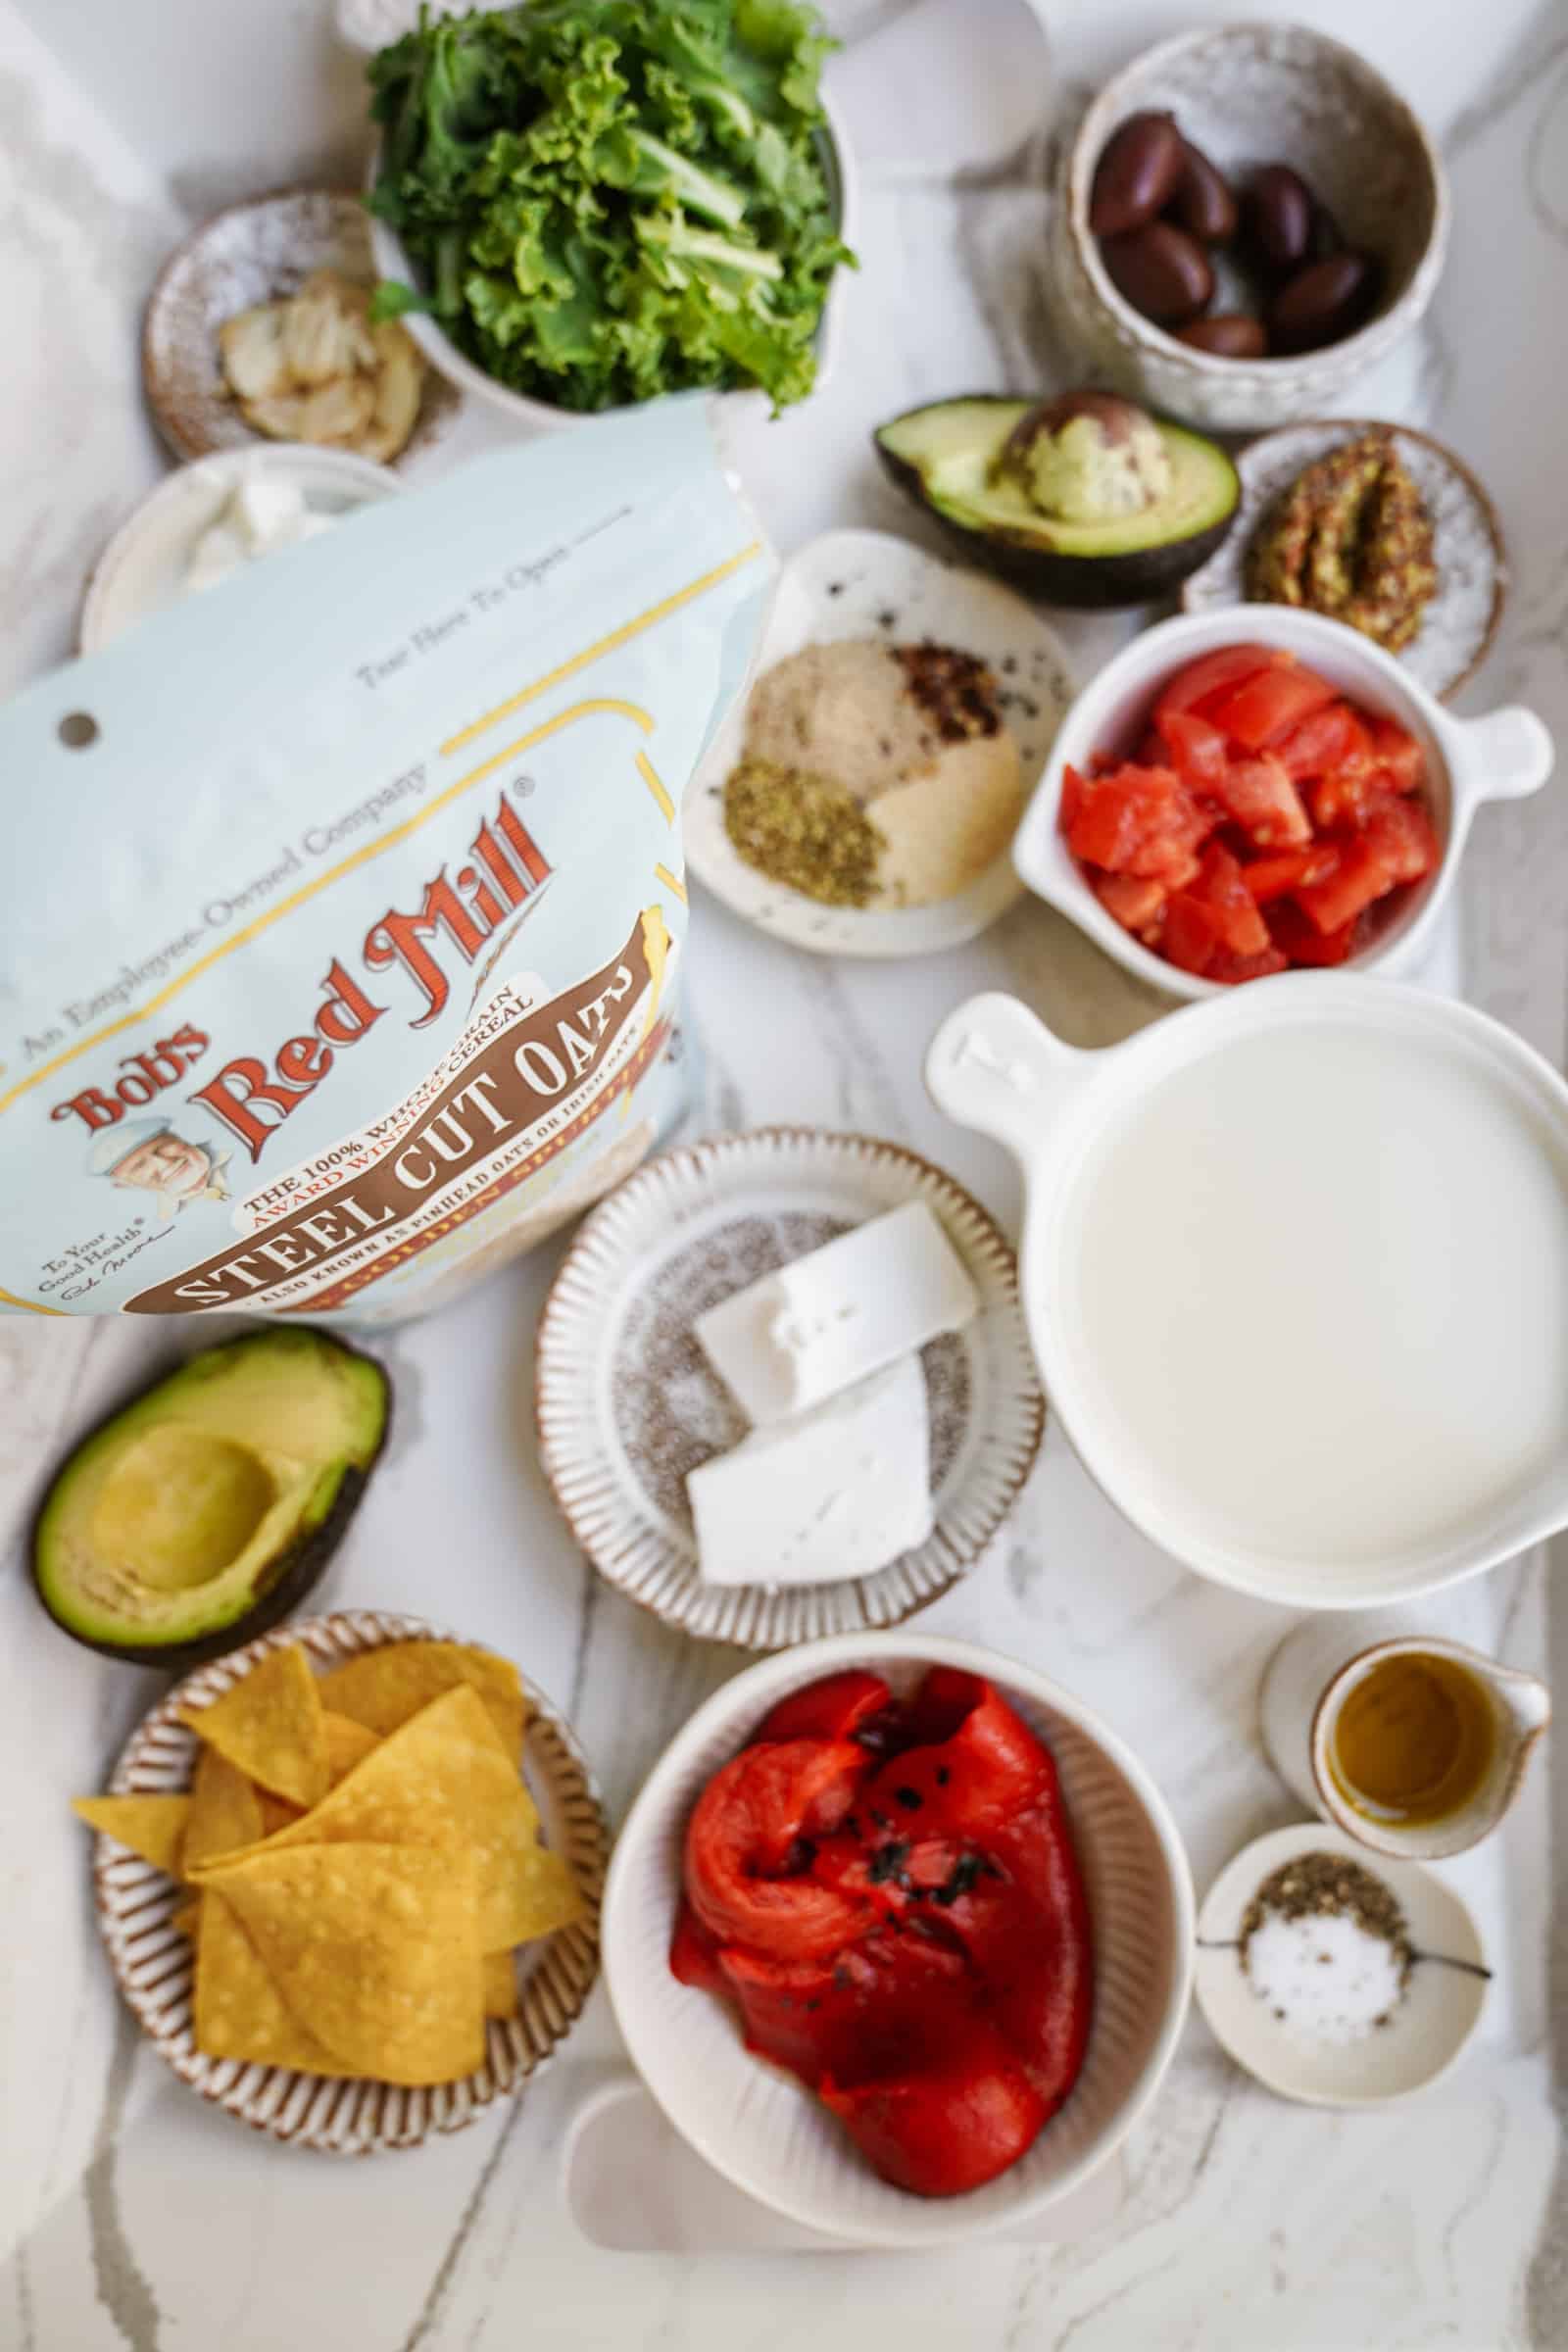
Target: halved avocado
x=205, y=1510
x=966, y=463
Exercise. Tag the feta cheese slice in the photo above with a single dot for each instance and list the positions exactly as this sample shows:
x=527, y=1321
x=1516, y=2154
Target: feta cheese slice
x=839, y=1492
x=832, y=1318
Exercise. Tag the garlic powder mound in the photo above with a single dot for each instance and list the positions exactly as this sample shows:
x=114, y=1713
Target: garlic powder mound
x=949, y=821
x=840, y=711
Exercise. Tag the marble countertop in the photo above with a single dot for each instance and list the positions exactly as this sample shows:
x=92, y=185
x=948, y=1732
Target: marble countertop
x=132, y=2216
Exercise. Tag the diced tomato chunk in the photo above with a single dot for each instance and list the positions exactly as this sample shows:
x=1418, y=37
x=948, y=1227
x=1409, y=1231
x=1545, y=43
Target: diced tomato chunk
x=1211, y=673
x=1396, y=752
x=1327, y=739
x=1265, y=803
x=1269, y=878
x=1301, y=942
x=1137, y=900
x=1190, y=938
x=1232, y=970
x=1360, y=877
x=1400, y=833
x=1269, y=703
x=1196, y=750
x=1071, y=800
x=1239, y=928
x=1339, y=802
x=1135, y=820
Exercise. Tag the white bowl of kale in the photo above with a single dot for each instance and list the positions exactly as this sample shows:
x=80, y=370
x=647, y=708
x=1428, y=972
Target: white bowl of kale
x=581, y=205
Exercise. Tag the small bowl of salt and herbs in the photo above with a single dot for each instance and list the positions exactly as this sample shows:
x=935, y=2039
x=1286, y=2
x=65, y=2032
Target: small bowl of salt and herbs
x=1332, y=1982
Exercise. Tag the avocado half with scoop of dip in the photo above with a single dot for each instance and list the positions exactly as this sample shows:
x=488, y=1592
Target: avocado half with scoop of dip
x=1084, y=499
x=203, y=1511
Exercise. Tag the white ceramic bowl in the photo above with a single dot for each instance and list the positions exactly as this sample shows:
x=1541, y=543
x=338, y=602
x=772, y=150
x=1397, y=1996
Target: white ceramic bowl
x=1425, y=2035
x=758, y=2125
x=1250, y=94
x=1504, y=1484
x=1503, y=757
x=142, y=569
x=539, y=416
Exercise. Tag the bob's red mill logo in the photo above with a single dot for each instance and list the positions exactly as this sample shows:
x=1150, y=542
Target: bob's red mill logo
x=253, y=1097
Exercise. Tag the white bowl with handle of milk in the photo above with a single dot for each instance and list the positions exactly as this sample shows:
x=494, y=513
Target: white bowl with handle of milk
x=1295, y=1268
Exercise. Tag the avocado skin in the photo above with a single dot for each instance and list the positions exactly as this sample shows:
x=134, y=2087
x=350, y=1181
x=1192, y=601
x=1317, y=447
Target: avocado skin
x=296, y=1571
x=1098, y=583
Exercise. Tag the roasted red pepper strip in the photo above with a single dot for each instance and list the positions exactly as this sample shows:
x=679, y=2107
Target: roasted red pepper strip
x=907, y=1930
x=742, y=1865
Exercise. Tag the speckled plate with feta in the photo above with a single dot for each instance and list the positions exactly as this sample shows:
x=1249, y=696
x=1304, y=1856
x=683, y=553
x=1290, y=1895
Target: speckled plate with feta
x=627, y=1403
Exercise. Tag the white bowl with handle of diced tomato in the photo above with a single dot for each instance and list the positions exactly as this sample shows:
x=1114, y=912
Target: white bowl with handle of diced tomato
x=1247, y=791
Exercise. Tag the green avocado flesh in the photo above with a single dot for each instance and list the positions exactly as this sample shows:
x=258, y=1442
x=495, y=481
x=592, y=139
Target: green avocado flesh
x=222, y=1489
x=953, y=448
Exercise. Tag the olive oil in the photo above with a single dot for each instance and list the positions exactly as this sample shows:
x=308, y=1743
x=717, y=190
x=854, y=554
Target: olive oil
x=1414, y=1739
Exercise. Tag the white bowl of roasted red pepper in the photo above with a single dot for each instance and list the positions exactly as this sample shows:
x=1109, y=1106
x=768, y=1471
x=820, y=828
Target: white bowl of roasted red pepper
x=1244, y=792
x=1250, y=218
x=899, y=1936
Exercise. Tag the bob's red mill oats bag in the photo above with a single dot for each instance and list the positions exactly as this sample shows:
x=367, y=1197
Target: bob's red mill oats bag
x=345, y=905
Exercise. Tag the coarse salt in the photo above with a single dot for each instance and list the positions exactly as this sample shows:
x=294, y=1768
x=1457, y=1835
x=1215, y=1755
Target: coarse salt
x=1324, y=1975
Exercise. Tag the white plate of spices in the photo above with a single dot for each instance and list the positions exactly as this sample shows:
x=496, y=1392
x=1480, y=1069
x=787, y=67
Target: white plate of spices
x=1334, y=1975
x=861, y=798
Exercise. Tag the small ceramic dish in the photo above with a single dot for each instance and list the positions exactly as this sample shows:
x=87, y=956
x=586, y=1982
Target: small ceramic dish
x=1460, y=624
x=143, y=566
x=1250, y=94
x=1503, y=757
x=252, y=252
x=627, y=1403
x=1425, y=2032
x=152, y=1959
x=391, y=261
x=869, y=584
x=761, y=2128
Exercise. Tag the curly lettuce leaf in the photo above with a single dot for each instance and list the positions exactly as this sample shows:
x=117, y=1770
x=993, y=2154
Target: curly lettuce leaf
x=609, y=199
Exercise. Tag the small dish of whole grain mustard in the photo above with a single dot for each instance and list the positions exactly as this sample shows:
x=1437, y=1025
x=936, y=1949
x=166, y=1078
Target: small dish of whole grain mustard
x=862, y=797
x=1372, y=524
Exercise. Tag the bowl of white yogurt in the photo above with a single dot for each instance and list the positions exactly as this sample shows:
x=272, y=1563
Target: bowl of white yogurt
x=1295, y=1269
x=214, y=516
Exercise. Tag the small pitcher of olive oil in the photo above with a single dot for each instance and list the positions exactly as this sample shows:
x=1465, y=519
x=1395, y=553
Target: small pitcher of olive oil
x=1414, y=1744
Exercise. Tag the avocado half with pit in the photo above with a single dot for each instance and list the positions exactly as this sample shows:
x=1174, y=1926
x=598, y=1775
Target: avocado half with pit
x=206, y=1509
x=1084, y=499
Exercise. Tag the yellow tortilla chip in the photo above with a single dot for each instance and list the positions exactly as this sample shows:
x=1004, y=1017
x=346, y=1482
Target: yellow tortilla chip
x=383, y=1688
x=347, y=1744
x=373, y=1950
x=188, y=1918
x=226, y=1811
x=239, y=2011
x=153, y=1827
x=442, y=1780
x=269, y=1724
x=276, y=1812
x=501, y=1984
x=551, y=1894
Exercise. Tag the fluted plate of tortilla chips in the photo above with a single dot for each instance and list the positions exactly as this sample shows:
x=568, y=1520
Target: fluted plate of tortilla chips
x=349, y=1881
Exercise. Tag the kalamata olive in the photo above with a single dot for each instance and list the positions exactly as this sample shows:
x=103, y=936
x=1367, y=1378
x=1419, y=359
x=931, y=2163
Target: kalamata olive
x=1161, y=270
x=1277, y=210
x=1135, y=176
x=1326, y=237
x=1323, y=302
x=1202, y=203
x=1229, y=336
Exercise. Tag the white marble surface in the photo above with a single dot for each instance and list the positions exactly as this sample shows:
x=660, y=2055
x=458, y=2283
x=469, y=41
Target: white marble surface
x=130, y=2215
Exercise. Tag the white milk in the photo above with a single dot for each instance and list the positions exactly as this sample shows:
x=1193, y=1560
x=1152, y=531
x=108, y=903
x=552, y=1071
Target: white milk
x=1319, y=1281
